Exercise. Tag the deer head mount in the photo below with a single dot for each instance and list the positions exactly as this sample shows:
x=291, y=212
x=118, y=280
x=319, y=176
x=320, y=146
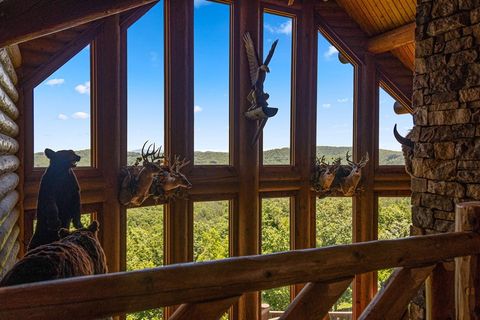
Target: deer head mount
x=336, y=178
x=154, y=177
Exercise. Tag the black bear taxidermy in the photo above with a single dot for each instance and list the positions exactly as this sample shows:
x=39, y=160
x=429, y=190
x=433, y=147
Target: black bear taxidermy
x=58, y=199
x=77, y=253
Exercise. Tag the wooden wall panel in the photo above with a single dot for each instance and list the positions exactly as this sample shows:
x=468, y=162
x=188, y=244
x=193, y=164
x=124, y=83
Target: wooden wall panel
x=9, y=180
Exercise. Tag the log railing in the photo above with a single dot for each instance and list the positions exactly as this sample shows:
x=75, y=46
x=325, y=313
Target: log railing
x=206, y=290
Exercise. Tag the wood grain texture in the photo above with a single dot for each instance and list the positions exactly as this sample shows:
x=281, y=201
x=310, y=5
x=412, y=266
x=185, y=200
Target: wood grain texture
x=7, y=84
x=115, y=293
x=7, y=105
x=391, y=302
x=8, y=65
x=8, y=182
x=209, y=310
x=467, y=280
x=15, y=55
x=9, y=247
x=8, y=145
x=8, y=163
x=8, y=203
x=315, y=300
x=21, y=23
x=7, y=225
x=392, y=39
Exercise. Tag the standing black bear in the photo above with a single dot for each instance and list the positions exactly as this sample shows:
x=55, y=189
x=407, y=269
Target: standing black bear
x=58, y=199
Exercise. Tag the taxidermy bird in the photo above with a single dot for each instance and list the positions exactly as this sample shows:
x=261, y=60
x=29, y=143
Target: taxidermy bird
x=259, y=109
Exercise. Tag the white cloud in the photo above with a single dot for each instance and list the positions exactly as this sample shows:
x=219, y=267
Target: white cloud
x=55, y=82
x=80, y=115
x=197, y=109
x=330, y=52
x=199, y=3
x=83, y=88
x=343, y=100
x=283, y=28
x=62, y=116
x=326, y=105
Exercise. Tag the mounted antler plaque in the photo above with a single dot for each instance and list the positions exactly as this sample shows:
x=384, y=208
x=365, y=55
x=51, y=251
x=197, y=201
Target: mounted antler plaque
x=338, y=179
x=156, y=178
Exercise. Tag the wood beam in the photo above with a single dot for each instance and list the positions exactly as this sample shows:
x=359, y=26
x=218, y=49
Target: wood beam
x=20, y=20
x=392, y=39
x=315, y=300
x=210, y=310
x=392, y=301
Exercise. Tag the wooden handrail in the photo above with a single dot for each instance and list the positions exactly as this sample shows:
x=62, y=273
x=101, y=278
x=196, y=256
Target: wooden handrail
x=110, y=294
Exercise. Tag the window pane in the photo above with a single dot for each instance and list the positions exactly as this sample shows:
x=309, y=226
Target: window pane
x=334, y=220
x=276, y=238
x=278, y=84
x=145, y=248
x=212, y=74
x=390, y=150
x=210, y=230
x=61, y=112
x=145, y=82
x=394, y=220
x=334, y=102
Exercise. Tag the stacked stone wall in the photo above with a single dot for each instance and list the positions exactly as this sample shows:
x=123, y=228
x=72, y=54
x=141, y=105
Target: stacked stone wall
x=446, y=100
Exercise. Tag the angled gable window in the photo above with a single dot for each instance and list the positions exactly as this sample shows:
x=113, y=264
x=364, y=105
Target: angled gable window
x=62, y=111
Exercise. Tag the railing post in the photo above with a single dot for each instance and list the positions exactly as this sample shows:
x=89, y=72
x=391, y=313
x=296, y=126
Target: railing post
x=467, y=278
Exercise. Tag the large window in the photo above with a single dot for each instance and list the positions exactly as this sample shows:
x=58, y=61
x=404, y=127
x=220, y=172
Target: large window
x=62, y=111
x=334, y=220
x=145, y=249
x=145, y=82
x=278, y=84
x=276, y=238
x=212, y=85
x=390, y=150
x=394, y=220
x=334, y=102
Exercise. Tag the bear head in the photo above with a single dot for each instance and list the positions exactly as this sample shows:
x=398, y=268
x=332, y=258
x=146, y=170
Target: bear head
x=62, y=159
x=87, y=239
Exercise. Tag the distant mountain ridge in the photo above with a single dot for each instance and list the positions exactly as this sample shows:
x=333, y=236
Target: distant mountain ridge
x=274, y=156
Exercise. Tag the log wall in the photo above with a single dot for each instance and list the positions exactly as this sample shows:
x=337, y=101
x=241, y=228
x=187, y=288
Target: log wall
x=9, y=180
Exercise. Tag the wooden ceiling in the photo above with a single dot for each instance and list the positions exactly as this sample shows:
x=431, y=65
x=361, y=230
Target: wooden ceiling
x=376, y=17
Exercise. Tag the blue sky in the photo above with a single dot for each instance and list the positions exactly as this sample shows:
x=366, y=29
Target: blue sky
x=62, y=101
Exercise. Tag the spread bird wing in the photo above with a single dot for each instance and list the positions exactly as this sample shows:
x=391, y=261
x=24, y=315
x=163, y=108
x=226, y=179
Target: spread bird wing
x=252, y=57
x=271, y=52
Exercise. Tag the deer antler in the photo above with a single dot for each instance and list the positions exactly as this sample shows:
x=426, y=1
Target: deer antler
x=179, y=164
x=153, y=155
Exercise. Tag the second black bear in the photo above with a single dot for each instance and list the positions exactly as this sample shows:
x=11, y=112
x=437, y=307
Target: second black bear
x=58, y=199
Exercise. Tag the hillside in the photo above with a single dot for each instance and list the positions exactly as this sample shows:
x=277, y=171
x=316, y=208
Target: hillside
x=274, y=156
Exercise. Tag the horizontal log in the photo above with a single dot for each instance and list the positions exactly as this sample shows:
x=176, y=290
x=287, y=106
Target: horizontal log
x=7, y=125
x=20, y=21
x=8, y=163
x=8, y=203
x=8, y=65
x=391, y=302
x=104, y=295
x=7, y=225
x=7, y=84
x=7, y=105
x=8, y=248
x=392, y=39
x=8, y=182
x=209, y=310
x=15, y=55
x=8, y=145
x=11, y=260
